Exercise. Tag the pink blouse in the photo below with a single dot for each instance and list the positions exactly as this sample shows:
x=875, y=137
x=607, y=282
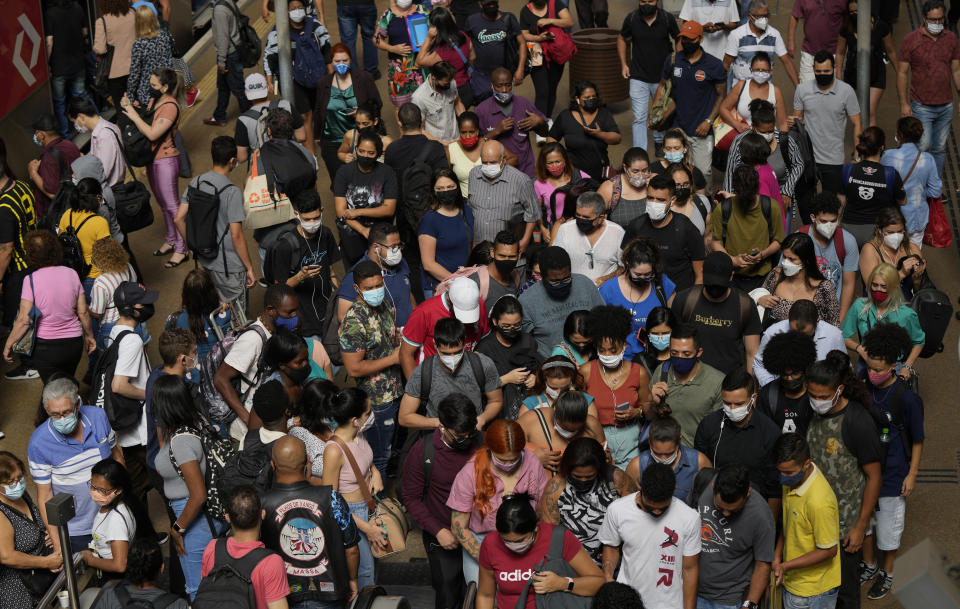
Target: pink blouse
x=771, y=188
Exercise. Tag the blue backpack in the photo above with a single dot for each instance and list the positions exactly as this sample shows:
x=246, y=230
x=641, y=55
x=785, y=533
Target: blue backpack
x=309, y=63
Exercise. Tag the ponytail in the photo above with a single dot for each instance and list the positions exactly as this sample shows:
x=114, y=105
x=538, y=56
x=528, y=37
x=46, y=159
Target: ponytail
x=835, y=370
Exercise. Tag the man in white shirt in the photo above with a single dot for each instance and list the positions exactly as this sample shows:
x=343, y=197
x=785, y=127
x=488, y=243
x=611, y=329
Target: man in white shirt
x=756, y=35
x=803, y=317
x=439, y=102
x=718, y=18
x=135, y=305
x=592, y=241
x=660, y=540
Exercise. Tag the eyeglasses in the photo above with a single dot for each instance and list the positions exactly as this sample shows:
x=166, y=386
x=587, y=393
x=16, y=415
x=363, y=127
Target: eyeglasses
x=398, y=246
x=511, y=327
x=13, y=481
x=102, y=491
x=682, y=185
x=561, y=282
x=62, y=415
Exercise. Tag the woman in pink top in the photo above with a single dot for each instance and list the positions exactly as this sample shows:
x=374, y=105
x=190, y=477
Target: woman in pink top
x=754, y=151
x=63, y=329
x=502, y=467
x=351, y=411
x=554, y=171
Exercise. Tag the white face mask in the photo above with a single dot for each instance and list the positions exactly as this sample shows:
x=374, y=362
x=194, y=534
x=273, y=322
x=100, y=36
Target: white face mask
x=451, y=361
x=935, y=29
x=790, y=268
x=367, y=424
x=637, y=181
x=827, y=229
x=519, y=547
x=564, y=433
x=80, y=128
x=404, y=4
x=824, y=406
x=393, y=256
x=491, y=171
x=760, y=77
x=551, y=392
x=297, y=15
x=893, y=240
x=737, y=414
x=310, y=226
x=656, y=211
x=767, y=137
x=761, y=23
x=668, y=461
x=611, y=361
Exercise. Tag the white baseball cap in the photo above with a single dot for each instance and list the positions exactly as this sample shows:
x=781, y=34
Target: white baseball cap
x=465, y=298
x=256, y=86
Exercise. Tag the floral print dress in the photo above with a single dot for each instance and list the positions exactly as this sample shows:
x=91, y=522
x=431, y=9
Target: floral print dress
x=147, y=55
x=825, y=297
x=403, y=76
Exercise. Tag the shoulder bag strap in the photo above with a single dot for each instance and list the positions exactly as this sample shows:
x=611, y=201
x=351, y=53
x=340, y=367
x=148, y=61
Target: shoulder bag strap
x=426, y=381
x=912, y=167
x=463, y=58
x=543, y=426
x=477, y=367
x=361, y=481
x=690, y=302
x=556, y=543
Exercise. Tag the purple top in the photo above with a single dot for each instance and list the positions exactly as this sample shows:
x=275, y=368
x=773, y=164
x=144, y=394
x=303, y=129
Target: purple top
x=516, y=141
x=822, y=22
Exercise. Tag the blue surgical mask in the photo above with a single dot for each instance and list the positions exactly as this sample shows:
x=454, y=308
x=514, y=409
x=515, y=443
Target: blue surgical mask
x=660, y=342
x=288, y=323
x=341, y=67
x=14, y=491
x=673, y=156
x=374, y=297
x=793, y=480
x=36, y=141
x=66, y=425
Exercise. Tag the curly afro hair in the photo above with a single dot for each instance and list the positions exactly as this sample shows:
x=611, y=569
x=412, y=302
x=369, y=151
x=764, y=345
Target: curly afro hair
x=609, y=322
x=888, y=342
x=789, y=352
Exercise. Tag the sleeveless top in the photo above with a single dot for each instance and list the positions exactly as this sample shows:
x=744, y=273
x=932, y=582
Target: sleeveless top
x=363, y=455
x=685, y=471
x=461, y=165
x=743, y=102
x=608, y=399
x=838, y=464
x=28, y=537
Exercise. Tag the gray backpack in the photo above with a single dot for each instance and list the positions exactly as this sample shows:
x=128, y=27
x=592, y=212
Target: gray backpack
x=554, y=562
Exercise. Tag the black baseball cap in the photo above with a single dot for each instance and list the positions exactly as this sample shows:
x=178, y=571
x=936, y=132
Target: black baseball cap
x=717, y=269
x=44, y=122
x=129, y=293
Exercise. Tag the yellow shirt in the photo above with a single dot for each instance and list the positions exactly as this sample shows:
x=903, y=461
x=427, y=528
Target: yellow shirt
x=95, y=228
x=811, y=520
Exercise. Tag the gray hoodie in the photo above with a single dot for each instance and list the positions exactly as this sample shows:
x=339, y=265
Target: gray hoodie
x=89, y=166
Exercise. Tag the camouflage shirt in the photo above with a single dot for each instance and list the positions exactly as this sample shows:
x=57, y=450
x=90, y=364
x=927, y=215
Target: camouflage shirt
x=371, y=330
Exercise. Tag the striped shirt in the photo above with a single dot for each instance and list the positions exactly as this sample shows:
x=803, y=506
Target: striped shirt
x=65, y=464
x=744, y=44
x=496, y=203
x=101, y=296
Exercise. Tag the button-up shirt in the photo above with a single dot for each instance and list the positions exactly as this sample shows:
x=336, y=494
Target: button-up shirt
x=509, y=197
x=921, y=183
x=929, y=58
x=826, y=338
x=439, y=118
x=516, y=140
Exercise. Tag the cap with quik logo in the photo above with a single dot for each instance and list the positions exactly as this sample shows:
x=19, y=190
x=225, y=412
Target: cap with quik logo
x=255, y=86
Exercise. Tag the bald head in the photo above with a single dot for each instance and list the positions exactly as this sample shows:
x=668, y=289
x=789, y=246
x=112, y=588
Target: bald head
x=289, y=456
x=491, y=152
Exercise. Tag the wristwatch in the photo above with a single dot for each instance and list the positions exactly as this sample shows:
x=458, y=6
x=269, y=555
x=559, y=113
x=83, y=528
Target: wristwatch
x=749, y=605
x=569, y=584
x=179, y=529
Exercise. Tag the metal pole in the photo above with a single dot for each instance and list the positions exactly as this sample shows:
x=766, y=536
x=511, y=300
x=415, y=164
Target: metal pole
x=68, y=567
x=283, y=39
x=863, y=60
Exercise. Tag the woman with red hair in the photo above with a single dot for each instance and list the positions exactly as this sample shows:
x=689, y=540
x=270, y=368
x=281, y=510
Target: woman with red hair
x=501, y=467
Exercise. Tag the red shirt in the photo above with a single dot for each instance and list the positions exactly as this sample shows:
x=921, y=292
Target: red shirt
x=607, y=399
x=269, y=577
x=931, y=81
x=511, y=571
x=419, y=329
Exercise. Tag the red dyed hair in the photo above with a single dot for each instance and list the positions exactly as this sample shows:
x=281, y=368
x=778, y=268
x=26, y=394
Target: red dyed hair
x=341, y=48
x=503, y=436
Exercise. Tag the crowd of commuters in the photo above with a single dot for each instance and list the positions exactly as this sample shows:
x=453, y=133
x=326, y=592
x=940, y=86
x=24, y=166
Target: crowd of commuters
x=570, y=371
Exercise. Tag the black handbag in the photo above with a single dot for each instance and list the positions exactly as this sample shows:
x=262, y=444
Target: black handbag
x=102, y=75
x=132, y=201
x=36, y=581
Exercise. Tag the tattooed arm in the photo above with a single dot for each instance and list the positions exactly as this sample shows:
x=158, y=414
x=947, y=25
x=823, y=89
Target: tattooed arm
x=547, y=508
x=466, y=537
x=624, y=484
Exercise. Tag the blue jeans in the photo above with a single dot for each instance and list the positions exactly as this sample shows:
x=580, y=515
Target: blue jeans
x=380, y=436
x=230, y=82
x=826, y=600
x=365, y=571
x=58, y=87
x=350, y=20
x=703, y=603
x=194, y=542
x=936, y=129
x=641, y=95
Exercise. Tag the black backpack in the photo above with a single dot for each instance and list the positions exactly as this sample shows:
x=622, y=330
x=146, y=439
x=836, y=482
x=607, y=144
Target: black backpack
x=229, y=583
x=122, y=412
x=248, y=46
x=286, y=168
x=250, y=466
x=934, y=311
x=72, y=250
x=138, y=149
x=289, y=237
x=203, y=209
x=415, y=187
x=766, y=206
x=128, y=602
x=808, y=177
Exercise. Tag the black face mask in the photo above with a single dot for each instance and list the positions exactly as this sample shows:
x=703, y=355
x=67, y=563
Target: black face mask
x=366, y=162
x=505, y=267
x=640, y=282
x=586, y=227
x=448, y=198
x=438, y=88
x=715, y=291
x=689, y=48
x=590, y=104
x=647, y=9
x=142, y=315
x=461, y=444
x=581, y=486
x=509, y=335
x=791, y=385
x=583, y=350
x=491, y=10
x=682, y=194
x=558, y=291
x=298, y=375
x=824, y=79
x=155, y=93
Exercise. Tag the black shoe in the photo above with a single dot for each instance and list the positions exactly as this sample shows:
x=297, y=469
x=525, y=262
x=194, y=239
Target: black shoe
x=21, y=373
x=262, y=283
x=163, y=538
x=881, y=586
